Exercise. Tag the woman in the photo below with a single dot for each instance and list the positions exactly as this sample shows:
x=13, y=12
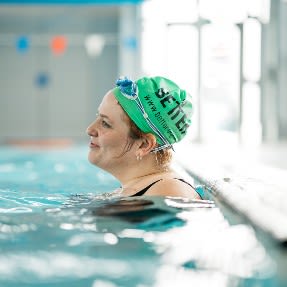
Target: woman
x=132, y=136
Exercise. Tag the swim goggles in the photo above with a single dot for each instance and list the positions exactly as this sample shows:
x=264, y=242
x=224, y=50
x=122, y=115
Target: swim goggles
x=129, y=90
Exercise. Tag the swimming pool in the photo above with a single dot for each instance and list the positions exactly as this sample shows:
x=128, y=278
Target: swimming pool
x=59, y=227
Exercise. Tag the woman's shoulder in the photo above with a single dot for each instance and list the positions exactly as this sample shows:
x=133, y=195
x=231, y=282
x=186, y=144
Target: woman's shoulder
x=173, y=186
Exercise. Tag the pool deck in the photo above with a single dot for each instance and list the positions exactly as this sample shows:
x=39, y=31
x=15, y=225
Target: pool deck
x=251, y=181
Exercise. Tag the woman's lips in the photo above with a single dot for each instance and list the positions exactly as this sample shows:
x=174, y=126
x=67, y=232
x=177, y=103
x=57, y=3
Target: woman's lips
x=93, y=145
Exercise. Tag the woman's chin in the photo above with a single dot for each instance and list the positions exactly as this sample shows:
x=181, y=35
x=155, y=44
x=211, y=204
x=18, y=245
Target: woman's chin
x=91, y=158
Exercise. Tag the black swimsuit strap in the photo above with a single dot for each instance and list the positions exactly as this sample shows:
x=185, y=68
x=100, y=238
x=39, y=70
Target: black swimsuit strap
x=144, y=190
x=181, y=179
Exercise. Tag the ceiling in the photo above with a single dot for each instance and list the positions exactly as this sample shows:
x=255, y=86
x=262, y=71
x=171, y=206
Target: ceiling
x=61, y=18
x=8, y=11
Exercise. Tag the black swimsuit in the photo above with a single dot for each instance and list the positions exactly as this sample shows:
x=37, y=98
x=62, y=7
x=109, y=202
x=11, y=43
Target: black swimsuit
x=144, y=190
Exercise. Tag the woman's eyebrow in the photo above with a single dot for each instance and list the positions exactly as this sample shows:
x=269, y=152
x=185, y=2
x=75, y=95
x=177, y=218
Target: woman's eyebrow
x=103, y=116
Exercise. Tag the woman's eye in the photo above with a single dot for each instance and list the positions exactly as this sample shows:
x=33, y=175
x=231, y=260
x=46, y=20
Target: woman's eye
x=105, y=124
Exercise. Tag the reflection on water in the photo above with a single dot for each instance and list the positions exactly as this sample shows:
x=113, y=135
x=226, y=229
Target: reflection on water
x=150, y=241
x=56, y=230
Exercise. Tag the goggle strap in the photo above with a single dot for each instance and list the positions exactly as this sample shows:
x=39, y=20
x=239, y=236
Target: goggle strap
x=152, y=126
x=162, y=147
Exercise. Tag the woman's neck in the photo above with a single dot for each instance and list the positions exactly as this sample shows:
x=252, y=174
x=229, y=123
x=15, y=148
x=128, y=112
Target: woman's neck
x=138, y=171
x=129, y=187
x=133, y=181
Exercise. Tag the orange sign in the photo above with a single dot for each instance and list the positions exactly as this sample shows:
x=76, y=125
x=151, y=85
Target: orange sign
x=59, y=45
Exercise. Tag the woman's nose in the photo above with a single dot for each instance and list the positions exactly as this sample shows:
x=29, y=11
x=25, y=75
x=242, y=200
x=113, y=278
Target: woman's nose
x=91, y=129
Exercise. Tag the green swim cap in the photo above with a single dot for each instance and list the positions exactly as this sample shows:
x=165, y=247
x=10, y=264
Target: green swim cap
x=156, y=105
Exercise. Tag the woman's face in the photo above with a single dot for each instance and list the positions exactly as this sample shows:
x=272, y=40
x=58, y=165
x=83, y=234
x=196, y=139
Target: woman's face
x=109, y=135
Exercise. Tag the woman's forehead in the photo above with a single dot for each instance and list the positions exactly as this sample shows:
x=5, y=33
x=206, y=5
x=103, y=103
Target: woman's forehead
x=109, y=101
x=110, y=106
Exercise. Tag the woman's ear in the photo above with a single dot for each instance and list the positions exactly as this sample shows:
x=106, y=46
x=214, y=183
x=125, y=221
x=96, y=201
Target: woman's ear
x=148, y=143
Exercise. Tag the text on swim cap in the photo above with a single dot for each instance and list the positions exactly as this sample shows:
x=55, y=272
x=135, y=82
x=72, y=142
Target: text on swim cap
x=158, y=117
x=167, y=98
x=175, y=113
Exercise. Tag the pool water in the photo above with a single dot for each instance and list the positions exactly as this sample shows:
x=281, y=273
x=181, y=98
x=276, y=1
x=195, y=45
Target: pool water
x=59, y=226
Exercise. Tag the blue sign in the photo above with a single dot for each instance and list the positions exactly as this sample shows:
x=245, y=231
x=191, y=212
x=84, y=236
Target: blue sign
x=22, y=44
x=130, y=43
x=42, y=80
